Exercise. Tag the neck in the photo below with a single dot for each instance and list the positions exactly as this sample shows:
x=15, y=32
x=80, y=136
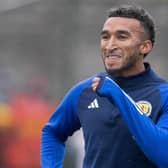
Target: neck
x=133, y=70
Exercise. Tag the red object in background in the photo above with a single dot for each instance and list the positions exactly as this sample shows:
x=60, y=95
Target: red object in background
x=30, y=112
x=5, y=131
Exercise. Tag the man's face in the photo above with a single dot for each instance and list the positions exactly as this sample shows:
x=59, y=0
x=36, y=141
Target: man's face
x=121, y=45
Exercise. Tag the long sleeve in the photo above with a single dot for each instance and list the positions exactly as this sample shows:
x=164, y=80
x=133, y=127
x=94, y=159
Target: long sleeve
x=52, y=150
x=63, y=122
x=151, y=138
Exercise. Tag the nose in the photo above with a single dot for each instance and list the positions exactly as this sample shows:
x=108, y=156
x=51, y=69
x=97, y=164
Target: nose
x=111, y=43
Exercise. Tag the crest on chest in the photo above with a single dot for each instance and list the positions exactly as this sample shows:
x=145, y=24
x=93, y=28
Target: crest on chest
x=145, y=107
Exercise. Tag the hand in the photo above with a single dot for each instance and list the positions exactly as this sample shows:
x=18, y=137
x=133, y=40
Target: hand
x=95, y=83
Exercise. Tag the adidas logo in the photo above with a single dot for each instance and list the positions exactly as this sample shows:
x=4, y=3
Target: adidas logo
x=93, y=104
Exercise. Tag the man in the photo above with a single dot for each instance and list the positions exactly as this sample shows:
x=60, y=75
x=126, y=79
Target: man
x=124, y=111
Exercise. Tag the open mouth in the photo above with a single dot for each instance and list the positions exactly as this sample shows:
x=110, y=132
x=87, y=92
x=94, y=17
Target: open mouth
x=113, y=56
x=112, y=59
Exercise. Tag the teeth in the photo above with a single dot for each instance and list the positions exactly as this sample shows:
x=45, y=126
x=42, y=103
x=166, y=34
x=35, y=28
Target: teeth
x=113, y=56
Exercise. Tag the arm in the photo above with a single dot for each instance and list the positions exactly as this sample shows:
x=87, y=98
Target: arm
x=62, y=124
x=152, y=139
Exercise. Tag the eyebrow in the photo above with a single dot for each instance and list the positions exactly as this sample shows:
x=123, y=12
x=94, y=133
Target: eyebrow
x=123, y=32
x=118, y=32
x=104, y=32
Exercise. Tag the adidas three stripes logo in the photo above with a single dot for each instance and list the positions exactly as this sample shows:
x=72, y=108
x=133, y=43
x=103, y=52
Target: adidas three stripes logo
x=93, y=104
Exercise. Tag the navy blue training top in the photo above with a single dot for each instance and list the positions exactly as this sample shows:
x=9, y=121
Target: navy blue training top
x=124, y=123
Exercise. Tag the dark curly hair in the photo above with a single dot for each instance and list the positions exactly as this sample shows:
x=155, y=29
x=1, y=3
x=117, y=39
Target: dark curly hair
x=135, y=12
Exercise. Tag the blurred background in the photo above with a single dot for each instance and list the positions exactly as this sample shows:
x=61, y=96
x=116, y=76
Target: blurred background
x=46, y=46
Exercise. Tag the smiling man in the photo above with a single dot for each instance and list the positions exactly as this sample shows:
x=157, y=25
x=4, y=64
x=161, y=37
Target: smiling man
x=124, y=43
x=123, y=111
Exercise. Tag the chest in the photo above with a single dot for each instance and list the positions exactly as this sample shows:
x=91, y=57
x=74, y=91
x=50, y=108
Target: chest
x=98, y=114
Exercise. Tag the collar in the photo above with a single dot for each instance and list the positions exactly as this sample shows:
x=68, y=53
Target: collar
x=137, y=80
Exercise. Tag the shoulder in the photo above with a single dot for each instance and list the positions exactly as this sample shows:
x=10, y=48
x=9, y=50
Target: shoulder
x=87, y=82
x=152, y=77
x=162, y=84
x=163, y=89
x=161, y=80
x=81, y=85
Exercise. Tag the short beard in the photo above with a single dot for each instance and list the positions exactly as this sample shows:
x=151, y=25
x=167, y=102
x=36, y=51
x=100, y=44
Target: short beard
x=119, y=72
x=114, y=73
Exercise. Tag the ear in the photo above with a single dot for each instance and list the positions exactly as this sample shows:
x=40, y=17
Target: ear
x=146, y=47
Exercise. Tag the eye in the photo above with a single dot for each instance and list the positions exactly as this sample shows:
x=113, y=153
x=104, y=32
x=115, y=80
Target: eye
x=105, y=36
x=122, y=36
